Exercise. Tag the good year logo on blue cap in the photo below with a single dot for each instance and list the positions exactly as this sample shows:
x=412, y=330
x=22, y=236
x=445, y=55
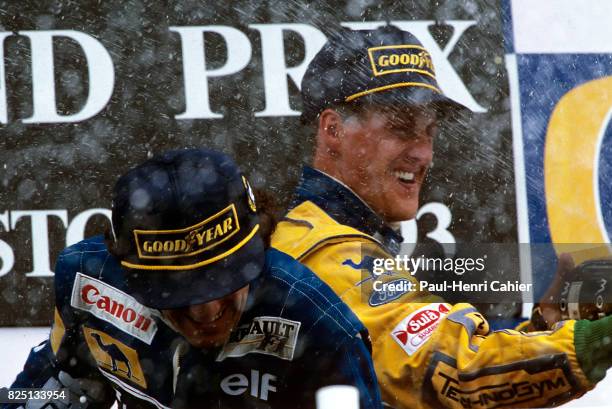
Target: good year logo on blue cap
x=189, y=241
x=392, y=59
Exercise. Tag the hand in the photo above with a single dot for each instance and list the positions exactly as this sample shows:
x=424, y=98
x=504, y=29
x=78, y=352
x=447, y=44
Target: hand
x=548, y=311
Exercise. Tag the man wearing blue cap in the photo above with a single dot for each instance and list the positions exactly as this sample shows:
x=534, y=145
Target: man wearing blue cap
x=182, y=306
x=374, y=102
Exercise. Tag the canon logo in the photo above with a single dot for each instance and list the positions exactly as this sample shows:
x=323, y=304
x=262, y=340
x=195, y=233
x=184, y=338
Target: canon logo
x=113, y=306
x=91, y=295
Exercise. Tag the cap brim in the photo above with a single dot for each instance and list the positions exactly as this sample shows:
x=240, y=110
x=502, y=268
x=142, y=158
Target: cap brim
x=399, y=96
x=162, y=289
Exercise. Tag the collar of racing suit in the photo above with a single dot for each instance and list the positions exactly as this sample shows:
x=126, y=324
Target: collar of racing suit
x=344, y=206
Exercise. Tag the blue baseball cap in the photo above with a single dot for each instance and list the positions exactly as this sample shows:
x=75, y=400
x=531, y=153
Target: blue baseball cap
x=185, y=229
x=384, y=66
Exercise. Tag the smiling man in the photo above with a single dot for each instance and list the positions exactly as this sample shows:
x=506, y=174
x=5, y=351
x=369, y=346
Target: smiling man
x=373, y=101
x=183, y=307
x=386, y=153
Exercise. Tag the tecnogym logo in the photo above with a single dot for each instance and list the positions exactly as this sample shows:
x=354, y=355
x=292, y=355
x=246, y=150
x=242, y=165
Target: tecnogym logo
x=493, y=388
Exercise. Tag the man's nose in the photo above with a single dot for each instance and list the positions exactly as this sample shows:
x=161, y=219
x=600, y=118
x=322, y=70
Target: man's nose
x=205, y=312
x=420, y=152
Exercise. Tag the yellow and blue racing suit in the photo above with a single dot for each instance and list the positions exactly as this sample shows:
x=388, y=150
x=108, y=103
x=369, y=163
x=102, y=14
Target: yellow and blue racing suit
x=427, y=354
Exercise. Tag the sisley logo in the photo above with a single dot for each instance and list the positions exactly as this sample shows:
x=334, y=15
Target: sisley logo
x=113, y=306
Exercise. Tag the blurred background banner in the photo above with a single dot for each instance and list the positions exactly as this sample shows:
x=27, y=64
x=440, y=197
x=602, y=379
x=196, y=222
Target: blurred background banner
x=559, y=61
x=89, y=89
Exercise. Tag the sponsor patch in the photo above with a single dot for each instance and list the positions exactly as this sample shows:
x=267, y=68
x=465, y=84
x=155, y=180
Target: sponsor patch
x=171, y=244
x=114, y=356
x=113, y=306
x=392, y=59
x=497, y=390
x=57, y=332
x=412, y=332
x=383, y=297
x=263, y=335
x=238, y=384
x=366, y=264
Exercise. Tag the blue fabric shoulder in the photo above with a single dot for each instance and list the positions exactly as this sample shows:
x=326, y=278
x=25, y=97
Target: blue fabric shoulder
x=89, y=257
x=309, y=297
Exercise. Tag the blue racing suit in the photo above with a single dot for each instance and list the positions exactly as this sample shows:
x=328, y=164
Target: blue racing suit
x=294, y=337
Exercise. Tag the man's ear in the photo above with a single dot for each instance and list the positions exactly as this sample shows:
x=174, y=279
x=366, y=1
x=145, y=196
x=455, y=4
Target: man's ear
x=330, y=129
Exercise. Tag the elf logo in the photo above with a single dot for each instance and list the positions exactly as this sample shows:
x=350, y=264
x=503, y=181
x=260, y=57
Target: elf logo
x=259, y=386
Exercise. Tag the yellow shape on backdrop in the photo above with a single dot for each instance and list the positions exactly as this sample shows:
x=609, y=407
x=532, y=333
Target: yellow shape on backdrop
x=573, y=139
